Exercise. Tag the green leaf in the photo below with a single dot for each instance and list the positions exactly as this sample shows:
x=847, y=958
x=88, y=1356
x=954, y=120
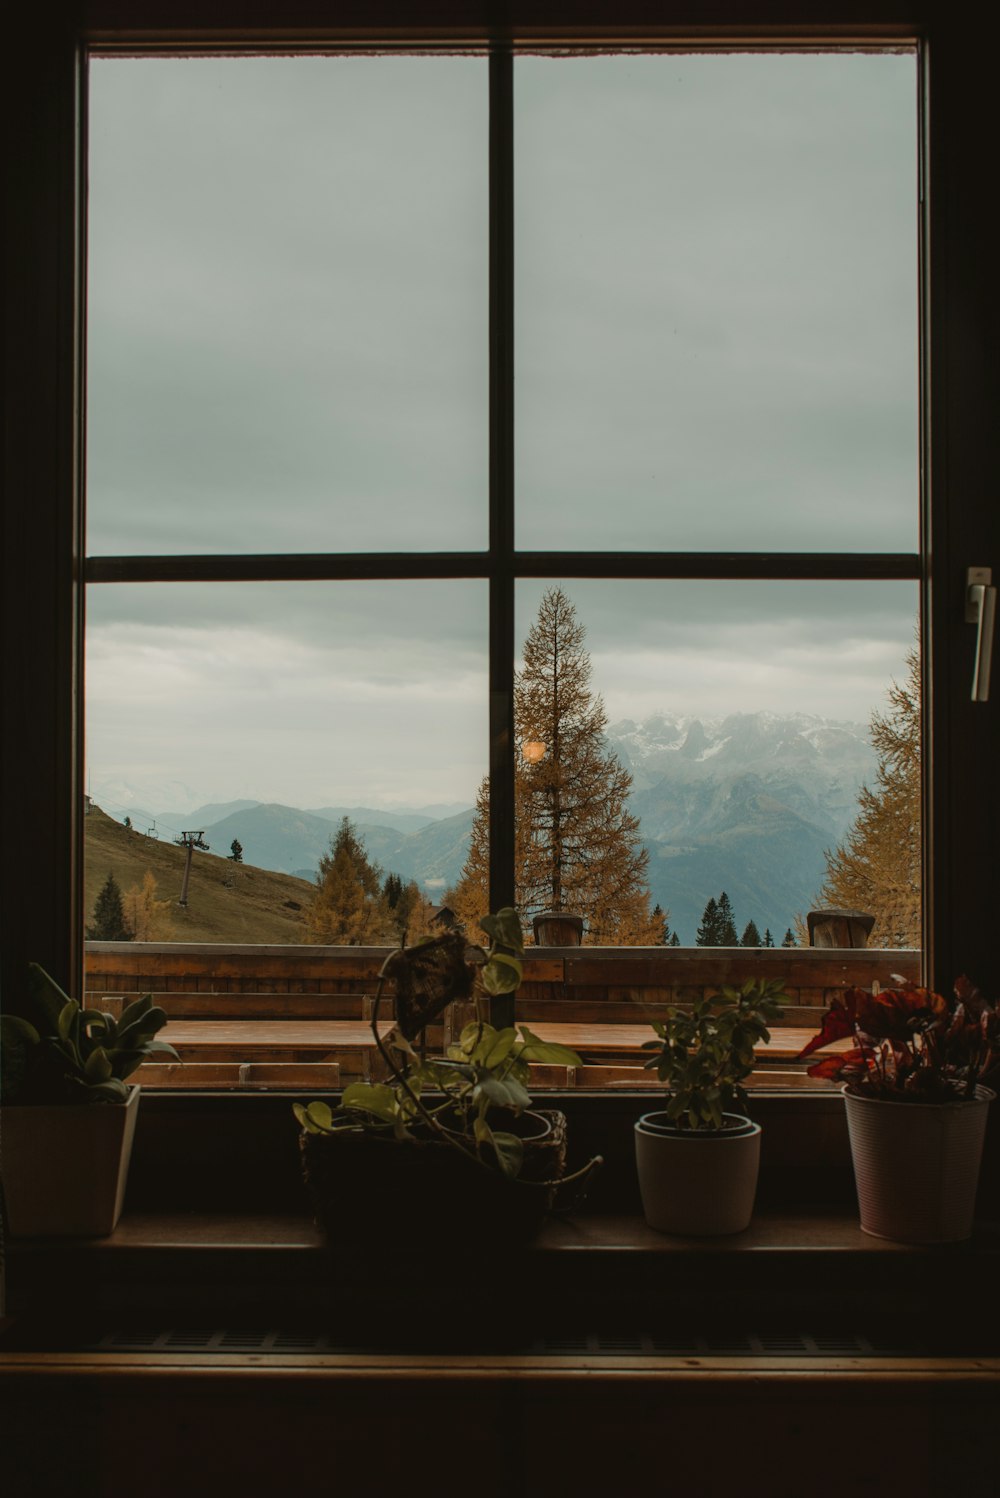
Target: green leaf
x=13, y=1028
x=509, y=1152
x=160, y=1048
x=551, y=1054
x=494, y=1091
x=135, y=1011
x=502, y=974
x=471, y=1035
x=98, y=1065
x=67, y=1019
x=111, y=1091
x=500, y=1048
x=520, y=1095
x=319, y=1114
x=46, y=996
x=504, y=928
x=372, y=1097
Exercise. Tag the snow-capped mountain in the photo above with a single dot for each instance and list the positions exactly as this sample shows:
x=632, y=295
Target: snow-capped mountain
x=746, y=803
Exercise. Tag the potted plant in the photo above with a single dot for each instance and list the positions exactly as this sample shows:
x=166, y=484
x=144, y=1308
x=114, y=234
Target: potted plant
x=916, y=1103
x=442, y=1133
x=698, y=1157
x=68, y=1116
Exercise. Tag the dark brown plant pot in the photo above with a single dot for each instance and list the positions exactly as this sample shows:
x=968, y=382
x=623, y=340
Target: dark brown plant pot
x=557, y=928
x=372, y=1193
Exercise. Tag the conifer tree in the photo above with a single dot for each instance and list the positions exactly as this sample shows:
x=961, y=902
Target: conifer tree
x=149, y=918
x=751, y=936
x=577, y=845
x=409, y=913
x=707, y=934
x=789, y=940
x=768, y=938
x=348, y=908
x=236, y=850
x=877, y=866
x=668, y=938
x=109, y=923
x=727, y=923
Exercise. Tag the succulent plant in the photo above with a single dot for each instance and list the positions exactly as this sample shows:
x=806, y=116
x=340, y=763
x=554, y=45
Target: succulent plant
x=74, y=1055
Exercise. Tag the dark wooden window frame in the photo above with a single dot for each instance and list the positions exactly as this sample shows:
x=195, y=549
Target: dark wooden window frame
x=44, y=567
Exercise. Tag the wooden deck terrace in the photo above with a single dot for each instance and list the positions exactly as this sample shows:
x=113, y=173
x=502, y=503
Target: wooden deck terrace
x=271, y=1016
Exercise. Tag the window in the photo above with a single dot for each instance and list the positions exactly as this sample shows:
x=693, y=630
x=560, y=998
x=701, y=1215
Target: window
x=44, y=541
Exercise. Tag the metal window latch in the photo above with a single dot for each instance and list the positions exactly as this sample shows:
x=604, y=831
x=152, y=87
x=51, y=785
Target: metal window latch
x=980, y=610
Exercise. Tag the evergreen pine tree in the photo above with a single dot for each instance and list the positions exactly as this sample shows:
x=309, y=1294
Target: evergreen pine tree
x=109, y=923
x=236, y=850
x=708, y=932
x=411, y=915
x=789, y=940
x=751, y=936
x=348, y=908
x=392, y=890
x=674, y=941
x=659, y=915
x=577, y=845
x=727, y=923
x=877, y=866
x=768, y=938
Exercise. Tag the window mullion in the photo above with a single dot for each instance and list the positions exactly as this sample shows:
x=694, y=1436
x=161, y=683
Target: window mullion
x=501, y=354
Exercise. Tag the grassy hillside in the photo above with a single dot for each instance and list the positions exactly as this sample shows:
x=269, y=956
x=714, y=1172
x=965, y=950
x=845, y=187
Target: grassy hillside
x=227, y=902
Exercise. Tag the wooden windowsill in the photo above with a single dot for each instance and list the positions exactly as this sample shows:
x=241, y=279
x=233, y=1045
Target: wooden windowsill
x=773, y=1232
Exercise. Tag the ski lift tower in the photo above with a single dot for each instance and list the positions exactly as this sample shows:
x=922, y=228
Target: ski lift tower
x=190, y=841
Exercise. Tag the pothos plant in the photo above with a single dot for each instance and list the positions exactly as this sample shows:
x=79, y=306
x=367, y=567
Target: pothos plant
x=466, y=1096
x=74, y=1055
x=703, y=1054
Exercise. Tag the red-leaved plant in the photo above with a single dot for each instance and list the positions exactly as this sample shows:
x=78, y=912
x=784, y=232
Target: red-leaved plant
x=911, y=1044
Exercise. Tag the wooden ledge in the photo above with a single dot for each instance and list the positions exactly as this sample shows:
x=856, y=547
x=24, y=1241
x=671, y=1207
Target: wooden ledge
x=769, y=1232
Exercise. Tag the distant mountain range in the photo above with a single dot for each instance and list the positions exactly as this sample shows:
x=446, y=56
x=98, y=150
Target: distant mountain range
x=746, y=803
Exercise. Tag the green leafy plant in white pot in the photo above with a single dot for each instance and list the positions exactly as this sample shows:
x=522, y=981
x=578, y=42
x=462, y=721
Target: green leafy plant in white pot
x=698, y=1158
x=68, y=1116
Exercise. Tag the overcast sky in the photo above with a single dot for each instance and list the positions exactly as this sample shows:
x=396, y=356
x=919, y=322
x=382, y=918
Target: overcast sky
x=716, y=347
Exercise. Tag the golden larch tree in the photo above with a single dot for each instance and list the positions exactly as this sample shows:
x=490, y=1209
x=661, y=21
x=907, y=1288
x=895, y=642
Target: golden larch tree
x=577, y=845
x=348, y=908
x=877, y=866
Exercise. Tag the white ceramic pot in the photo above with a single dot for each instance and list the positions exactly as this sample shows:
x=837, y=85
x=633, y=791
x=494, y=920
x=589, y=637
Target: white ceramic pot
x=697, y=1182
x=916, y=1165
x=65, y=1168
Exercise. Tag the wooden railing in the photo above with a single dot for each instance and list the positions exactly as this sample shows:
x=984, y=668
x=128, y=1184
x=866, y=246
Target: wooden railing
x=270, y=1016
x=617, y=984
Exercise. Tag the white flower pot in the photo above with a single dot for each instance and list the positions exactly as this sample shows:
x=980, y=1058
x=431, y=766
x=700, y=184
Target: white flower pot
x=916, y=1165
x=65, y=1168
x=697, y=1182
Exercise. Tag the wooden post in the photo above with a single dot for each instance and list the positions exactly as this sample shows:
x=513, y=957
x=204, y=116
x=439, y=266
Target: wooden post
x=839, y=928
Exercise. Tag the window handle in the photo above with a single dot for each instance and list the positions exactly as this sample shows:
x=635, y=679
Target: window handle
x=980, y=610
